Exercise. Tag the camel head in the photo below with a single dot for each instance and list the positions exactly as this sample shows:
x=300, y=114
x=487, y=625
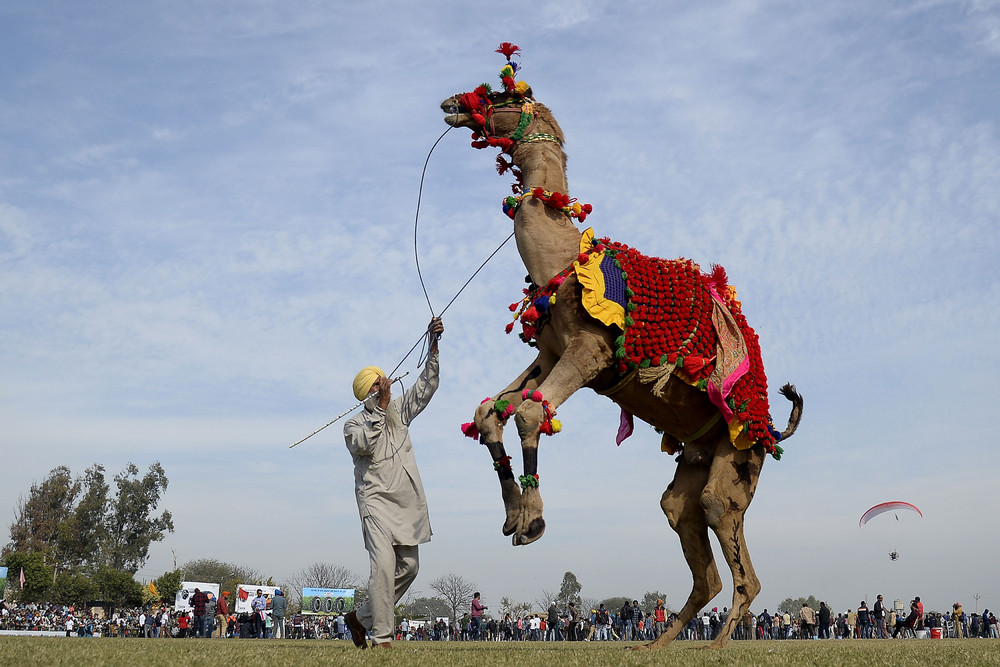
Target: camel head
x=501, y=118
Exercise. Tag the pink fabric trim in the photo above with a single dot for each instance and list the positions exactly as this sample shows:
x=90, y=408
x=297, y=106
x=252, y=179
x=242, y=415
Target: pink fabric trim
x=718, y=396
x=625, y=427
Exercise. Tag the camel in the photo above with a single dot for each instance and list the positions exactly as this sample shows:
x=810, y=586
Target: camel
x=714, y=480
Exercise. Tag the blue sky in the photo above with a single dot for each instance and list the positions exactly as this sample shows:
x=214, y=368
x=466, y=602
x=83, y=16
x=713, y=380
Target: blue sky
x=206, y=229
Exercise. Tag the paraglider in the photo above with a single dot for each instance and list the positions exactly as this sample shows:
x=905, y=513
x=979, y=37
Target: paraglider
x=882, y=508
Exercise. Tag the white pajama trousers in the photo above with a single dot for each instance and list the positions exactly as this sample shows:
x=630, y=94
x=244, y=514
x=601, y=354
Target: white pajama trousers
x=393, y=569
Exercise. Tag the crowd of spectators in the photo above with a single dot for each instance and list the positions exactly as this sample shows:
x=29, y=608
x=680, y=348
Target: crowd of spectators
x=627, y=624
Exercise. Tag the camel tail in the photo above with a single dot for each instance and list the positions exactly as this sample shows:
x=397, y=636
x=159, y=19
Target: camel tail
x=789, y=392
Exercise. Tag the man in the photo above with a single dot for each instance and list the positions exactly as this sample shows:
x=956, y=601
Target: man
x=574, y=623
x=259, y=608
x=390, y=495
x=878, y=611
x=198, y=601
x=864, y=621
x=278, y=606
x=477, y=617
x=553, y=623
x=210, y=608
x=661, y=617
x=807, y=620
x=222, y=614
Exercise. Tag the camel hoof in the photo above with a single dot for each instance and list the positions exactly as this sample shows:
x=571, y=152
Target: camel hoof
x=509, y=528
x=535, y=530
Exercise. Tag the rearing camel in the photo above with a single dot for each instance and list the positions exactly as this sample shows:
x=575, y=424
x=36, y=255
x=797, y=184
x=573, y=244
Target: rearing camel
x=675, y=352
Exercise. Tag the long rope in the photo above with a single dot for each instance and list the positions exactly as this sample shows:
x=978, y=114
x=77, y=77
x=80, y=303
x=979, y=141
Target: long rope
x=423, y=337
x=416, y=217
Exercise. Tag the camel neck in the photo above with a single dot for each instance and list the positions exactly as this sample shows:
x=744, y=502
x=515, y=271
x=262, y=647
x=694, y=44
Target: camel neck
x=547, y=240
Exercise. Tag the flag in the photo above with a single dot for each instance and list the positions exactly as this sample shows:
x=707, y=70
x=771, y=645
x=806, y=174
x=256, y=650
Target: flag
x=152, y=589
x=22, y=578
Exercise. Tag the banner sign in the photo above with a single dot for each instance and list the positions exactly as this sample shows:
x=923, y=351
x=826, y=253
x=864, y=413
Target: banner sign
x=327, y=601
x=182, y=600
x=245, y=593
x=3, y=580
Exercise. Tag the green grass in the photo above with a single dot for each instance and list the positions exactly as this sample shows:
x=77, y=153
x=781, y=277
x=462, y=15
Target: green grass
x=302, y=653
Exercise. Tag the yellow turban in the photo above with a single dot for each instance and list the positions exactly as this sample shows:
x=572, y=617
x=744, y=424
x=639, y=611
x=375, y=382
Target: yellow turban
x=364, y=380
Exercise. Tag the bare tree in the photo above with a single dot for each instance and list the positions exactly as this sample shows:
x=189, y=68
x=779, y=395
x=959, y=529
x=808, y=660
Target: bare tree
x=546, y=599
x=322, y=575
x=456, y=591
x=515, y=609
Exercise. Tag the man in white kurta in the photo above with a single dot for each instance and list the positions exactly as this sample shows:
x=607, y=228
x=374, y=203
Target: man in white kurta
x=390, y=495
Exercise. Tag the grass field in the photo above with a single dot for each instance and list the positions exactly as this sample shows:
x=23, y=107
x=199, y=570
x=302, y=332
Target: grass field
x=153, y=652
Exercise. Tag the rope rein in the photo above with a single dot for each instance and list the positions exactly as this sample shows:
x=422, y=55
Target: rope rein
x=424, y=338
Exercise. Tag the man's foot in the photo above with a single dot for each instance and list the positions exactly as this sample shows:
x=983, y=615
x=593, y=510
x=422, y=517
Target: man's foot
x=358, y=631
x=382, y=645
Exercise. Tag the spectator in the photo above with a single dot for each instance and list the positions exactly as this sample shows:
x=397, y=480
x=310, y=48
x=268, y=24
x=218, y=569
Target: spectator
x=807, y=621
x=222, y=615
x=477, y=617
x=198, y=602
x=278, y=606
x=259, y=608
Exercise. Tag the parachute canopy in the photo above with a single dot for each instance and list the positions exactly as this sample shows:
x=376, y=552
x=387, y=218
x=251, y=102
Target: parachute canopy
x=882, y=508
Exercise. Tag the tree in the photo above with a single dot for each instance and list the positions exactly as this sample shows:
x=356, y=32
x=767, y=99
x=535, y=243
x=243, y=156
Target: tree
x=794, y=606
x=167, y=585
x=131, y=529
x=614, y=605
x=76, y=527
x=649, y=602
x=546, y=598
x=37, y=518
x=569, y=591
x=212, y=571
x=514, y=608
x=118, y=588
x=84, y=533
x=73, y=589
x=425, y=608
x=38, y=576
x=456, y=591
x=322, y=575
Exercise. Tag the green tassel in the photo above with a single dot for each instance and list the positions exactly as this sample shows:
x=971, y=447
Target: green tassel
x=620, y=341
x=645, y=363
x=620, y=353
x=629, y=321
x=680, y=362
x=631, y=307
x=629, y=293
x=778, y=451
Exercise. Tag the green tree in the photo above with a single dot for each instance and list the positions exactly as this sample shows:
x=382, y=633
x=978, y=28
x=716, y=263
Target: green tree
x=37, y=518
x=227, y=575
x=118, y=587
x=614, y=605
x=37, y=575
x=73, y=589
x=83, y=534
x=167, y=585
x=793, y=606
x=569, y=591
x=431, y=608
x=648, y=602
x=131, y=526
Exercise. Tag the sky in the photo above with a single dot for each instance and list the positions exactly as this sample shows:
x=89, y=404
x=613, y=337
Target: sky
x=207, y=216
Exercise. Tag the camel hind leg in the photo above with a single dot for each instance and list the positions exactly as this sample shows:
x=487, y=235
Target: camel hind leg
x=681, y=502
x=731, y=485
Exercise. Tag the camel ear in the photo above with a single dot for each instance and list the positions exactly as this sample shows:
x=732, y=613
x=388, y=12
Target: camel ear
x=527, y=93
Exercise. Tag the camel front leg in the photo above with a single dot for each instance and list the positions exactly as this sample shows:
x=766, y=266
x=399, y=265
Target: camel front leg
x=727, y=495
x=578, y=365
x=490, y=418
x=681, y=502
